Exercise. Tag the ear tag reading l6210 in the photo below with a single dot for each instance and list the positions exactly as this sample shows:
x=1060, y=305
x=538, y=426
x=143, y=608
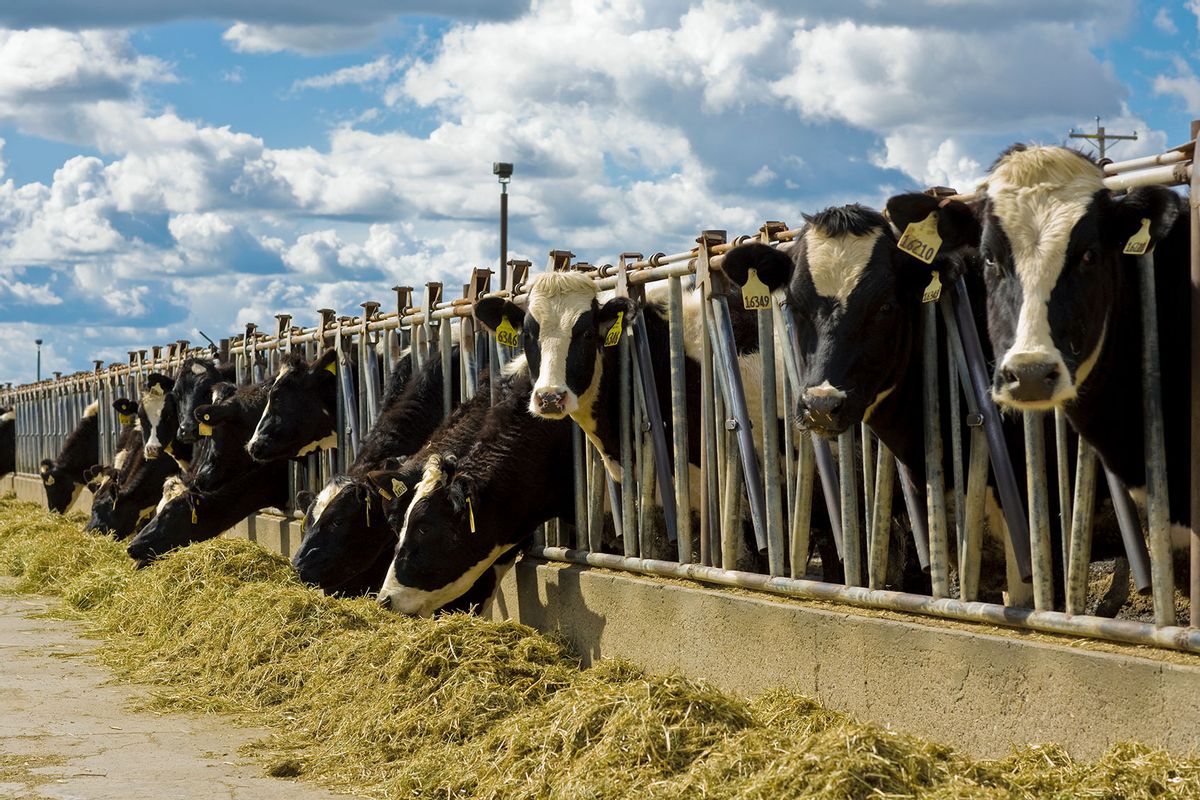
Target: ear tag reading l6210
x=614, y=333
x=921, y=239
x=506, y=334
x=1139, y=243
x=755, y=294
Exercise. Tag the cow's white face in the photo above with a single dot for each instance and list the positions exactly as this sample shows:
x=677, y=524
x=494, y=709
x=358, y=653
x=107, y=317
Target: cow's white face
x=1047, y=297
x=154, y=402
x=560, y=343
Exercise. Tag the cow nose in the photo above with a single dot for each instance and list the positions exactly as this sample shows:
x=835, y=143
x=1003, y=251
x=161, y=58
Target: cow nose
x=384, y=601
x=827, y=406
x=152, y=451
x=1030, y=381
x=186, y=435
x=550, y=399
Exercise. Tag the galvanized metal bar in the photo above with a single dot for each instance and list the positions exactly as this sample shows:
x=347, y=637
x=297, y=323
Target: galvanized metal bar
x=801, y=520
x=578, y=454
x=970, y=546
x=709, y=462
x=596, y=482
x=1157, y=507
x=628, y=488
x=1116, y=630
x=445, y=347
x=731, y=518
x=772, y=492
x=881, y=519
x=1081, y=529
x=1039, y=510
x=657, y=432
x=868, y=474
x=851, y=549
x=679, y=418
x=1006, y=480
x=935, y=485
x=1063, y=469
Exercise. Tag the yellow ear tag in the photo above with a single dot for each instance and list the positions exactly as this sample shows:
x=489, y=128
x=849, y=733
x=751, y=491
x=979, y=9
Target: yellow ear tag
x=921, y=240
x=1139, y=243
x=125, y=419
x=934, y=290
x=755, y=294
x=398, y=488
x=384, y=493
x=331, y=368
x=194, y=518
x=170, y=449
x=471, y=514
x=506, y=334
x=205, y=429
x=614, y=333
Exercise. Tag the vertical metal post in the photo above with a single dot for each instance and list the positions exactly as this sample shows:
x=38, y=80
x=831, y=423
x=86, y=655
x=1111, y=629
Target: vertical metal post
x=1081, y=529
x=1039, y=510
x=578, y=457
x=881, y=519
x=628, y=489
x=1131, y=532
x=1157, y=507
x=802, y=509
x=970, y=550
x=868, y=467
x=1063, y=470
x=657, y=432
x=679, y=420
x=851, y=549
x=935, y=485
x=773, y=497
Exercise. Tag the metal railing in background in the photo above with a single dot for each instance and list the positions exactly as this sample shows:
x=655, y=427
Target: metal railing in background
x=751, y=515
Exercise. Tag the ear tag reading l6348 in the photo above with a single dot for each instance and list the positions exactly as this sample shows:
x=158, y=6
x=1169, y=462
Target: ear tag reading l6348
x=921, y=239
x=1139, y=243
x=614, y=333
x=506, y=334
x=755, y=294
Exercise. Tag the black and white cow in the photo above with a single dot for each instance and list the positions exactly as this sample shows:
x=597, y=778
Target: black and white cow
x=65, y=476
x=129, y=492
x=194, y=508
x=471, y=512
x=8, y=441
x=348, y=542
x=158, y=413
x=1063, y=302
x=193, y=387
x=103, y=480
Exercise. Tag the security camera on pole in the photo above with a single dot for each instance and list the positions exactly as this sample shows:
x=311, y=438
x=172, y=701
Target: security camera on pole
x=503, y=171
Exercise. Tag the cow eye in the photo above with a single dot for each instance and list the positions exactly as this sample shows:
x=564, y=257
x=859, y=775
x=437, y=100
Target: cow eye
x=1089, y=257
x=887, y=308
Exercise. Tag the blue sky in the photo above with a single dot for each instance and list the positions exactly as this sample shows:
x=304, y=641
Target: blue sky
x=168, y=167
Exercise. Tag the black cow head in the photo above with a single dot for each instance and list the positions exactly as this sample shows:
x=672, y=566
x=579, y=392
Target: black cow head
x=61, y=487
x=104, y=483
x=170, y=528
x=227, y=425
x=345, y=534
x=159, y=414
x=445, y=545
x=1051, y=237
x=301, y=410
x=193, y=387
x=855, y=298
x=127, y=410
x=565, y=332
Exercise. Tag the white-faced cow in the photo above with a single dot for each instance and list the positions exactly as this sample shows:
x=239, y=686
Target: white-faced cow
x=347, y=541
x=1063, y=303
x=158, y=412
x=128, y=492
x=103, y=480
x=65, y=476
x=467, y=513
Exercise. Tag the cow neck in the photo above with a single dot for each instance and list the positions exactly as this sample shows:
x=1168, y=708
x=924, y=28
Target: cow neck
x=528, y=480
x=898, y=419
x=81, y=449
x=258, y=488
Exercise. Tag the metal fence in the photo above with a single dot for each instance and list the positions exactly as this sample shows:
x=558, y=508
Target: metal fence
x=750, y=469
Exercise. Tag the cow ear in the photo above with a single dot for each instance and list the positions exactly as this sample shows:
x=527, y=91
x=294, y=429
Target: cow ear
x=492, y=311
x=304, y=500
x=92, y=473
x=223, y=391
x=214, y=413
x=326, y=362
x=46, y=465
x=1123, y=217
x=957, y=223
x=613, y=318
x=773, y=266
x=388, y=484
x=156, y=380
x=124, y=405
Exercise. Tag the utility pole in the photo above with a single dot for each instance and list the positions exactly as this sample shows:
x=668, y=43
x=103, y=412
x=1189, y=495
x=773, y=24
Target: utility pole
x=38, y=342
x=503, y=172
x=1101, y=137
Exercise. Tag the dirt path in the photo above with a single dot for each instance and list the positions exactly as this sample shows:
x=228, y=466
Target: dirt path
x=66, y=732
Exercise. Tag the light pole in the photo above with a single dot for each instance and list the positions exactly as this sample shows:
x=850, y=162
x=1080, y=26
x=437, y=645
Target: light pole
x=38, y=342
x=503, y=172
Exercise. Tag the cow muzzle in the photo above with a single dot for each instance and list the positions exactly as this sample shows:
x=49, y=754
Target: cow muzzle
x=153, y=451
x=550, y=402
x=823, y=409
x=1031, y=380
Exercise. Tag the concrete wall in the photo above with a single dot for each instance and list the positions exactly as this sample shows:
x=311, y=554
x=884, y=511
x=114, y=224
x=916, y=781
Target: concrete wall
x=959, y=685
x=29, y=488
x=969, y=688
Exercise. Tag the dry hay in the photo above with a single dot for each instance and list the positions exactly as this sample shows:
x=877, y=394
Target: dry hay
x=387, y=706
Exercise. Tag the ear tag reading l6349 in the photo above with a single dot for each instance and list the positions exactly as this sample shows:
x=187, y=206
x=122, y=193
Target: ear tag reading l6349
x=1139, y=243
x=755, y=294
x=614, y=333
x=921, y=240
x=506, y=334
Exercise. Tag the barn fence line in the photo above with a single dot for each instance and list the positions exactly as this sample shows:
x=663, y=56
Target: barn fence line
x=780, y=475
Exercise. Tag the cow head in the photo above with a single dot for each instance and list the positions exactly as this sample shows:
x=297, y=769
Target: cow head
x=855, y=298
x=170, y=528
x=445, y=544
x=192, y=387
x=345, y=534
x=159, y=414
x=61, y=487
x=301, y=409
x=565, y=332
x=1051, y=239
x=127, y=410
x=104, y=483
x=228, y=424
